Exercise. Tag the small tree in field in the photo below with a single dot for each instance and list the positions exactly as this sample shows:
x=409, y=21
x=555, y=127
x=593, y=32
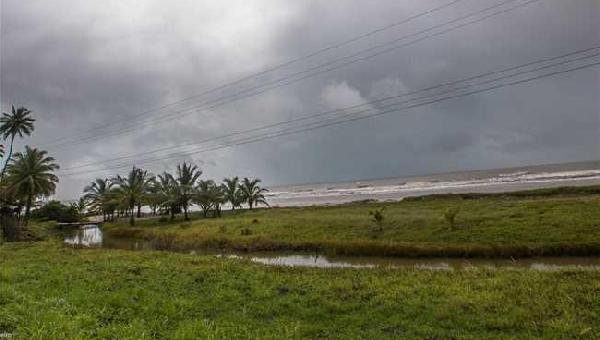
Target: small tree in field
x=450, y=216
x=377, y=218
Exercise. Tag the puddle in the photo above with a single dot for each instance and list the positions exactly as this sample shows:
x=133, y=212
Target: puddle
x=91, y=236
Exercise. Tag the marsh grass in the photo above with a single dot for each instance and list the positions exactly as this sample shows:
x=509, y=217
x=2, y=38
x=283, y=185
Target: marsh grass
x=553, y=222
x=52, y=292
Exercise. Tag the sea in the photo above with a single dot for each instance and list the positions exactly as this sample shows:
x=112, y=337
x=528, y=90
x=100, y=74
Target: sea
x=473, y=181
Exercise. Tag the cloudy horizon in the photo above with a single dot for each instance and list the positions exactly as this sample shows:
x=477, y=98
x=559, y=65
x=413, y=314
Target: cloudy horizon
x=80, y=65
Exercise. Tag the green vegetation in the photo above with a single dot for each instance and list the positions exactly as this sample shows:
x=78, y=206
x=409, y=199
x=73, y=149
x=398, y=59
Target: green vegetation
x=563, y=222
x=25, y=176
x=51, y=292
x=167, y=194
x=16, y=123
x=56, y=211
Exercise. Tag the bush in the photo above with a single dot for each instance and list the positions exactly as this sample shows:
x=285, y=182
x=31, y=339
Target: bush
x=246, y=232
x=56, y=211
x=377, y=217
x=185, y=225
x=450, y=216
x=163, y=219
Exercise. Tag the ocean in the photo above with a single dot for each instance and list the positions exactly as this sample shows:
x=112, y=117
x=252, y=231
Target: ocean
x=475, y=181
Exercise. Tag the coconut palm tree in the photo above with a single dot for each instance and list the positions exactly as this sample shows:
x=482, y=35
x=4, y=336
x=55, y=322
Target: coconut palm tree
x=18, y=123
x=233, y=193
x=79, y=207
x=148, y=181
x=167, y=193
x=253, y=194
x=217, y=197
x=131, y=190
x=203, y=195
x=99, y=194
x=187, y=176
x=30, y=175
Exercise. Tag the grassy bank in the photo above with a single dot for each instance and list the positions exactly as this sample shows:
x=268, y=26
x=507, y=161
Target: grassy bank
x=51, y=292
x=562, y=221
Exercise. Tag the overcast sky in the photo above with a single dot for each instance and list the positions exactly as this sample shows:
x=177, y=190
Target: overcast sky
x=84, y=64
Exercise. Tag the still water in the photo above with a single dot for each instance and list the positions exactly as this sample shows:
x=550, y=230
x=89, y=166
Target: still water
x=91, y=236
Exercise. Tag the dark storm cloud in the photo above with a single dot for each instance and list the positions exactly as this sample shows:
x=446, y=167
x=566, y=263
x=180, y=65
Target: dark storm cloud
x=80, y=64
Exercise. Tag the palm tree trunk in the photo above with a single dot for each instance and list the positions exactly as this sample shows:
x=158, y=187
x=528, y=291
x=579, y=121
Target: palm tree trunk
x=27, y=209
x=139, y=210
x=172, y=210
x=131, y=217
x=185, y=213
x=8, y=156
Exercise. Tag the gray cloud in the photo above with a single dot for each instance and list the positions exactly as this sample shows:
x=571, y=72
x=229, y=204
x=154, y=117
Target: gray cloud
x=80, y=64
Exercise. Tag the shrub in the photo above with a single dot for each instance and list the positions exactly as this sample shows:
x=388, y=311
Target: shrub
x=185, y=225
x=450, y=216
x=223, y=229
x=377, y=218
x=163, y=219
x=56, y=211
x=246, y=232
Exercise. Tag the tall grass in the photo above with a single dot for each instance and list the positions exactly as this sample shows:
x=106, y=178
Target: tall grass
x=53, y=292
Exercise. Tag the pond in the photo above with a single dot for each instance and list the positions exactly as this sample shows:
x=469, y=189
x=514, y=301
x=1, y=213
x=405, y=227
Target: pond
x=92, y=236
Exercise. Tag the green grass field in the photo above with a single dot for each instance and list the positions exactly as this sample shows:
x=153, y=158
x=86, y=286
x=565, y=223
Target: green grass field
x=543, y=222
x=52, y=292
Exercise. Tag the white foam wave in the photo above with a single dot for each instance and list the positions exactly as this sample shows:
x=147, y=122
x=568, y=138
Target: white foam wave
x=417, y=186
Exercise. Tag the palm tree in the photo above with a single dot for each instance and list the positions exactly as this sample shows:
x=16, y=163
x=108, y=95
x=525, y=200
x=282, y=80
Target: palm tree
x=131, y=190
x=167, y=192
x=153, y=195
x=99, y=194
x=79, y=207
x=217, y=197
x=18, y=123
x=203, y=195
x=233, y=193
x=253, y=193
x=147, y=181
x=187, y=176
x=30, y=175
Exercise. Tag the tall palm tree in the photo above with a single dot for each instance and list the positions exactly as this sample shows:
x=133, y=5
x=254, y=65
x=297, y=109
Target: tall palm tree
x=233, y=193
x=131, y=190
x=99, y=194
x=217, y=196
x=167, y=192
x=79, y=207
x=18, y=123
x=148, y=181
x=30, y=175
x=203, y=195
x=253, y=194
x=187, y=176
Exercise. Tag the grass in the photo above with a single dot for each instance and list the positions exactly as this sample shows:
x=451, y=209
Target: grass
x=52, y=292
x=562, y=221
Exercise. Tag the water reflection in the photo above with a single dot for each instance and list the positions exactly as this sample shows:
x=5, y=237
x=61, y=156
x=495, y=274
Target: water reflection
x=86, y=236
x=91, y=236
x=442, y=264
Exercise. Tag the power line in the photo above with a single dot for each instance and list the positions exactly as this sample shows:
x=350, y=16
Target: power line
x=279, y=82
x=287, y=133
x=296, y=60
x=376, y=101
